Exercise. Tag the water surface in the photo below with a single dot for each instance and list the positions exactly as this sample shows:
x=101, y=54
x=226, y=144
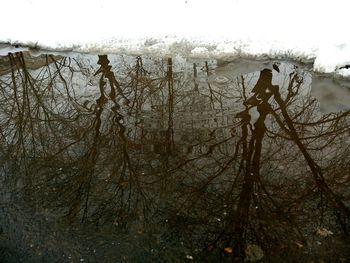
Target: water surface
x=142, y=159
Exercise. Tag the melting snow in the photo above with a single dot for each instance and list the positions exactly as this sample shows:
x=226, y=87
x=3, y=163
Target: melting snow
x=303, y=30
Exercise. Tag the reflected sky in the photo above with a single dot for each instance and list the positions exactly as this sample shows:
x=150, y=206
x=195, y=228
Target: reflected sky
x=169, y=160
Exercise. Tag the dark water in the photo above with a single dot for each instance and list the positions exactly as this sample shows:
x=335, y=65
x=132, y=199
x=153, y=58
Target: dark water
x=138, y=159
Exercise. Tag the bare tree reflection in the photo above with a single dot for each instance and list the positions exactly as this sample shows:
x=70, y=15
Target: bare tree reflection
x=216, y=163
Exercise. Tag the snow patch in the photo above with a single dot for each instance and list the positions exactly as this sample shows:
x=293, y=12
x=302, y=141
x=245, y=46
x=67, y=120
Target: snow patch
x=302, y=30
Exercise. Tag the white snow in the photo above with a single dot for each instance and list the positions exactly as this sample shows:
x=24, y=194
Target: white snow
x=225, y=29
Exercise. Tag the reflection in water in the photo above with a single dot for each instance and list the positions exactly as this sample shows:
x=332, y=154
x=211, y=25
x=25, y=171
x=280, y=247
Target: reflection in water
x=120, y=159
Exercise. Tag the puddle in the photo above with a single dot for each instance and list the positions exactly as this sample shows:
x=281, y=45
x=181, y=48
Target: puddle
x=142, y=159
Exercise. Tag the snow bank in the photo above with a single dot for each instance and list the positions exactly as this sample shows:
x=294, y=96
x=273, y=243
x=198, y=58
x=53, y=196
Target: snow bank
x=302, y=30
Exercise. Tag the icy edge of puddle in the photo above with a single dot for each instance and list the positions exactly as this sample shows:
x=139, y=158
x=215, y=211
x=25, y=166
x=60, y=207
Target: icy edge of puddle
x=325, y=59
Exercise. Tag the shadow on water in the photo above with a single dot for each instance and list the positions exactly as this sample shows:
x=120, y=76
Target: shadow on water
x=123, y=159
